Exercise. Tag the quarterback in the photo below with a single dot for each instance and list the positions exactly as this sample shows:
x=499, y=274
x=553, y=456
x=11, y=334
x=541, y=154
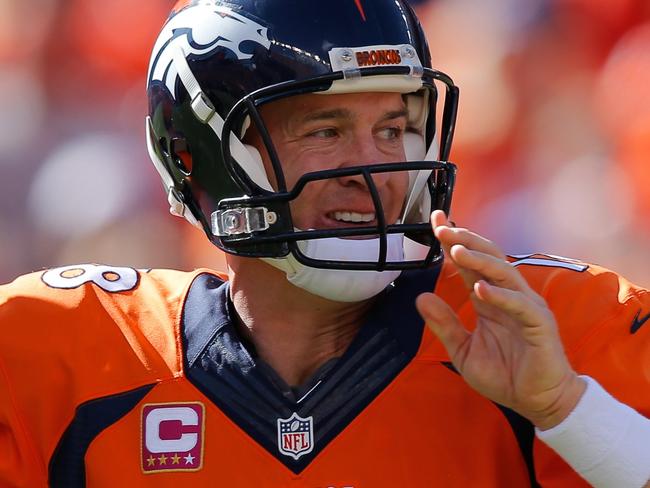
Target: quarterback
x=359, y=339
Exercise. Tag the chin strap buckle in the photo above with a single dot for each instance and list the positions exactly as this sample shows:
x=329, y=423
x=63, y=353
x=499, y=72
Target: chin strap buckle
x=243, y=220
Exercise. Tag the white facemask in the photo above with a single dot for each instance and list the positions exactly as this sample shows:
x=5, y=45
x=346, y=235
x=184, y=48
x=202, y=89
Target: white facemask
x=342, y=285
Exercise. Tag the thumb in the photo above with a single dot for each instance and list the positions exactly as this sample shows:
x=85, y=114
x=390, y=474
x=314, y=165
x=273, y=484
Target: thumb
x=442, y=321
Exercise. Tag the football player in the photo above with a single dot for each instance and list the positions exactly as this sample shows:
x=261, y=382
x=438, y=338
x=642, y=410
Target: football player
x=359, y=339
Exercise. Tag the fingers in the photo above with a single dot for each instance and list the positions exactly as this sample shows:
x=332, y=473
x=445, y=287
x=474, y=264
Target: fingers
x=475, y=256
x=493, y=269
x=518, y=306
x=438, y=218
x=448, y=236
x=443, y=321
x=499, y=288
x=443, y=233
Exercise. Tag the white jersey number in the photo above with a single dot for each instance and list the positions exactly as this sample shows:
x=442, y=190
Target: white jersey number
x=109, y=278
x=548, y=260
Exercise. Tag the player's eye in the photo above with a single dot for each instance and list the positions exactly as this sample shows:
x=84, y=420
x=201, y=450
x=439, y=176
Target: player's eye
x=324, y=133
x=391, y=133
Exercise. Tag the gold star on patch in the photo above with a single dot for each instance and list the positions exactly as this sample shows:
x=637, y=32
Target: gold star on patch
x=162, y=459
x=176, y=459
x=151, y=461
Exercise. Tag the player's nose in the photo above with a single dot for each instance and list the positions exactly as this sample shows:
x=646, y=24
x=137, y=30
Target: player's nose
x=362, y=151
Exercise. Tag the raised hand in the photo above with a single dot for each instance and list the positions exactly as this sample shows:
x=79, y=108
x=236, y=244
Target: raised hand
x=514, y=355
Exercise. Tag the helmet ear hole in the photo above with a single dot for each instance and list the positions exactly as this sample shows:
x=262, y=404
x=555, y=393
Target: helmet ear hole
x=180, y=154
x=162, y=146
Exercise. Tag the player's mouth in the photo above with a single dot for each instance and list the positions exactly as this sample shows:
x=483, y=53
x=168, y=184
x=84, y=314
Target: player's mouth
x=352, y=217
x=342, y=219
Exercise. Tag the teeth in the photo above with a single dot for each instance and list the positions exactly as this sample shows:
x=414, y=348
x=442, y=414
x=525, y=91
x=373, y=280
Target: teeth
x=354, y=217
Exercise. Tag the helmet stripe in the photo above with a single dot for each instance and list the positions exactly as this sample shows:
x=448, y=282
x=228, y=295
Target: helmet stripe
x=361, y=11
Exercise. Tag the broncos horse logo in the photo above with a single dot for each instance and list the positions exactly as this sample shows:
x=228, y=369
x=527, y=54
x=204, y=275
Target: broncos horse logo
x=199, y=30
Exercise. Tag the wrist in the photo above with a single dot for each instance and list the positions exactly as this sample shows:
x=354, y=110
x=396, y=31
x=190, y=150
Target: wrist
x=603, y=440
x=566, y=402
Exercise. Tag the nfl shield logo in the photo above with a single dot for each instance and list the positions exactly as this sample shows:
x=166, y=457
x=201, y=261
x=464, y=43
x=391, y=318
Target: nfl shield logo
x=296, y=436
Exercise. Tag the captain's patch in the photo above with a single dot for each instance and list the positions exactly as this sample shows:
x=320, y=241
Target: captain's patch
x=172, y=437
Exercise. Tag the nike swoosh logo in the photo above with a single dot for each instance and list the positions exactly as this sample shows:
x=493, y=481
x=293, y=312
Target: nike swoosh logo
x=638, y=322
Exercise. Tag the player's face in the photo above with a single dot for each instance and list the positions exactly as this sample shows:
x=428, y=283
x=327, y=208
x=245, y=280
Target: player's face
x=318, y=132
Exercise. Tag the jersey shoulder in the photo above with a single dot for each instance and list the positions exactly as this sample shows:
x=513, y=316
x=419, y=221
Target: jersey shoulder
x=83, y=335
x=94, y=307
x=587, y=300
x=75, y=289
x=584, y=298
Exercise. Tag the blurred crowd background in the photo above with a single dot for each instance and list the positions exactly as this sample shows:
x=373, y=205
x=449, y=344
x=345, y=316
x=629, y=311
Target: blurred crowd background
x=553, y=138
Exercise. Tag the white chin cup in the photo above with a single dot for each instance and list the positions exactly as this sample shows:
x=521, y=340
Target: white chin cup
x=342, y=285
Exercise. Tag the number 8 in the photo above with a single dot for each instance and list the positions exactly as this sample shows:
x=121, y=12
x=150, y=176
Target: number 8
x=109, y=278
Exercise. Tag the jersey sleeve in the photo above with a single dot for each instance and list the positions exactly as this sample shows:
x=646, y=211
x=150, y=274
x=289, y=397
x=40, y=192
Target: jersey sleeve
x=604, y=322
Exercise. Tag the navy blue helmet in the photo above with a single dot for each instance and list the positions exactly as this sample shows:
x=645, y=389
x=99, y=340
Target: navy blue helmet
x=216, y=62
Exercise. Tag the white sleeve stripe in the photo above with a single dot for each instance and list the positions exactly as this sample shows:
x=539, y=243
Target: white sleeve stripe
x=550, y=263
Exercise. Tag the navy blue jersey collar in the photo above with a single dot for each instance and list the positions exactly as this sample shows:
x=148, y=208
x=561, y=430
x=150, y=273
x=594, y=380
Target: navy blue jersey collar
x=207, y=313
x=220, y=365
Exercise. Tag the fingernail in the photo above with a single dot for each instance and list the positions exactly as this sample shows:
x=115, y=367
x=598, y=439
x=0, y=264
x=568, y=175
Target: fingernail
x=484, y=284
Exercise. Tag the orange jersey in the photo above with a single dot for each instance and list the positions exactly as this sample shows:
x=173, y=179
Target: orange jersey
x=116, y=377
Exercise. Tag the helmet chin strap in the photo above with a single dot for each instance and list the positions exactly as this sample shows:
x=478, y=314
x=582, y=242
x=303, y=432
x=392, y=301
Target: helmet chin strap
x=341, y=285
